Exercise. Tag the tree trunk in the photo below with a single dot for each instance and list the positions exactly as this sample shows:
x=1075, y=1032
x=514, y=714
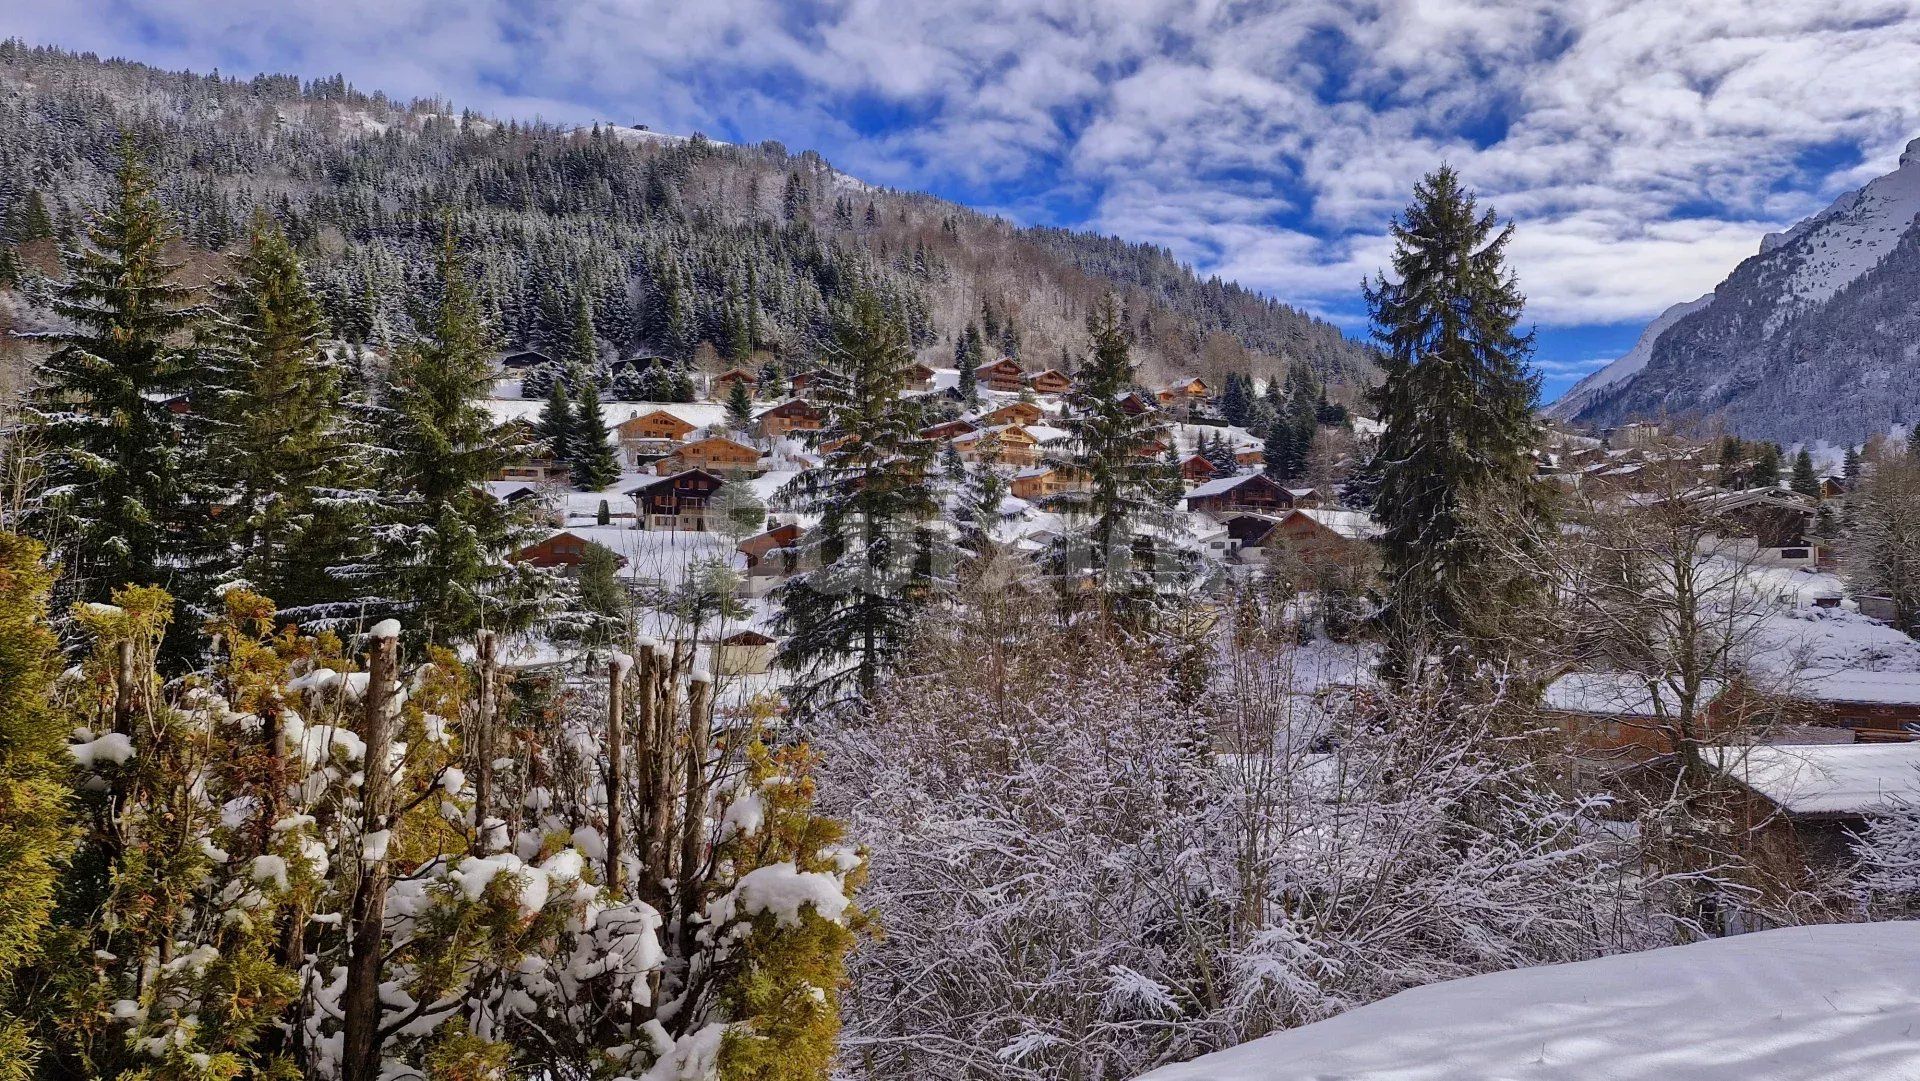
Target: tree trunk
x=616, y=767
x=360, y=1004
x=693, y=820
x=482, y=737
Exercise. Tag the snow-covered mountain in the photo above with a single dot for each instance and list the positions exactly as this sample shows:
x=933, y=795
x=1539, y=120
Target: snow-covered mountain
x=1815, y=335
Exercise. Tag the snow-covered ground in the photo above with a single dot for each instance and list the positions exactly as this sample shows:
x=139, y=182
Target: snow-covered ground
x=1835, y=1003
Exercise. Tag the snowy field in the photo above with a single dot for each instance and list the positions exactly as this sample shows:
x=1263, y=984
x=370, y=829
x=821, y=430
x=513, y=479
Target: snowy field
x=1835, y=1003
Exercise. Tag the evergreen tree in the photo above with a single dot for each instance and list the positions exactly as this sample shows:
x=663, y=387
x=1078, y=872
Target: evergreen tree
x=1126, y=549
x=582, y=354
x=1803, y=480
x=1276, y=451
x=1235, y=400
x=556, y=424
x=872, y=560
x=116, y=496
x=1766, y=467
x=966, y=357
x=1457, y=404
x=280, y=448
x=34, y=836
x=1850, y=466
x=592, y=461
x=1220, y=454
x=1731, y=464
x=739, y=406
x=445, y=536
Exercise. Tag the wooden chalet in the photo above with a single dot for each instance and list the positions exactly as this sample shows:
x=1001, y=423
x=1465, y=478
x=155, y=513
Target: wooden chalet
x=1768, y=525
x=1317, y=538
x=1008, y=444
x=1868, y=707
x=676, y=503
x=1246, y=492
x=771, y=558
x=745, y=653
x=1042, y=482
x=1807, y=801
x=715, y=453
x=948, y=429
x=657, y=426
x=1050, y=382
x=801, y=382
x=1011, y=413
x=520, y=360
x=919, y=377
x=1250, y=456
x=1004, y=375
x=563, y=549
x=1193, y=389
x=1617, y=721
x=1135, y=404
x=1197, y=469
x=792, y=415
x=722, y=384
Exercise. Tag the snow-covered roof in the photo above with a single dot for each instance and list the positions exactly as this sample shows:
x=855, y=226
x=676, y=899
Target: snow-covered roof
x=1828, y=1003
x=1351, y=524
x=1615, y=694
x=1848, y=685
x=1840, y=779
x=1219, y=485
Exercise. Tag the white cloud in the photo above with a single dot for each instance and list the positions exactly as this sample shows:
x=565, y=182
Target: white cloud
x=1643, y=145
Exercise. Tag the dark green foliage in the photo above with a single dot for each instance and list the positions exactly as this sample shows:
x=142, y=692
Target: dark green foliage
x=556, y=425
x=1457, y=404
x=739, y=405
x=116, y=494
x=872, y=561
x=1803, y=480
x=444, y=534
x=591, y=458
x=280, y=440
x=1766, y=467
x=1125, y=551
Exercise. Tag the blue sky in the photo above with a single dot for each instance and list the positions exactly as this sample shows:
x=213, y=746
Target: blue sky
x=1643, y=146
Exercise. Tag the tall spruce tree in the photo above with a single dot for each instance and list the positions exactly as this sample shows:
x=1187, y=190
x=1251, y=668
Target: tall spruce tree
x=556, y=424
x=116, y=501
x=1457, y=404
x=280, y=445
x=445, y=537
x=1803, y=480
x=873, y=560
x=1127, y=550
x=593, y=463
x=739, y=405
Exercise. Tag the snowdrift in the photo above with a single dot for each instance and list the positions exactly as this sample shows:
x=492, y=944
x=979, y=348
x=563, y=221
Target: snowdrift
x=1839, y=1003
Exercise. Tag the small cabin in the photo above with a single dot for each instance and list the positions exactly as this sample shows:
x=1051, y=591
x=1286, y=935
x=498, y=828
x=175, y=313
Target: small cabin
x=949, y=429
x=792, y=415
x=1246, y=492
x=1011, y=413
x=1051, y=382
x=722, y=386
x=1323, y=538
x=563, y=549
x=1042, y=482
x=715, y=453
x=1008, y=444
x=919, y=377
x=745, y=653
x=1134, y=404
x=658, y=425
x=1197, y=469
x=522, y=360
x=677, y=503
x=1004, y=375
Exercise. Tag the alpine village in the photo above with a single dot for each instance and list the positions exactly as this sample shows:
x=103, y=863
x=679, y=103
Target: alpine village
x=491, y=599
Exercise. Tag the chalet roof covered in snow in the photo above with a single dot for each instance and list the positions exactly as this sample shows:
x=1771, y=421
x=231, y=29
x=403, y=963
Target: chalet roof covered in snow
x=1830, y=1003
x=1351, y=524
x=1220, y=485
x=1615, y=694
x=1827, y=780
x=1852, y=686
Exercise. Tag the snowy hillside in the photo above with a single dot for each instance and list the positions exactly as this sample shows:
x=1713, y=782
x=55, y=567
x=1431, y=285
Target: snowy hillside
x=1813, y=335
x=1834, y=1003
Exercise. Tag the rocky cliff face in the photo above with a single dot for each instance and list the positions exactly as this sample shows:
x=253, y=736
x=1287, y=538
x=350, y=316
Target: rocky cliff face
x=1815, y=336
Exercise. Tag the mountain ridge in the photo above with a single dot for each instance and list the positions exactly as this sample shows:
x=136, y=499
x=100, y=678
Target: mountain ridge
x=1811, y=337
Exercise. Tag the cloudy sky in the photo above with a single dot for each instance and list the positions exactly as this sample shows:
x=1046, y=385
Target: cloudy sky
x=1643, y=147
